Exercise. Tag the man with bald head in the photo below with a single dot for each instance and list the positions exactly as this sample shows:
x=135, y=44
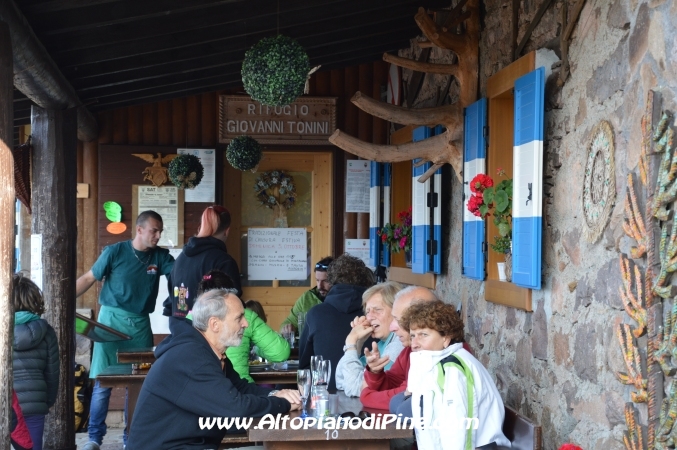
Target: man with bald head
x=382, y=386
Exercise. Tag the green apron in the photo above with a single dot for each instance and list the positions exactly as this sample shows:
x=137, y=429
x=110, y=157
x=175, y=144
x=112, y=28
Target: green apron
x=135, y=325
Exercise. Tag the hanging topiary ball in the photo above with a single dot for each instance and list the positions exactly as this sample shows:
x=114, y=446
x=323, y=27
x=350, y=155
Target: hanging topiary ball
x=186, y=171
x=244, y=153
x=274, y=71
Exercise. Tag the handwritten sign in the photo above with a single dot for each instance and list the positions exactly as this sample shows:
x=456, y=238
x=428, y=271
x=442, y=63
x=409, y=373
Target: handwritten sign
x=277, y=254
x=358, y=173
x=309, y=120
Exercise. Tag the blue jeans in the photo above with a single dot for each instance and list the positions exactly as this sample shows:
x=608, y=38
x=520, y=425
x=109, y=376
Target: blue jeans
x=36, y=427
x=98, y=410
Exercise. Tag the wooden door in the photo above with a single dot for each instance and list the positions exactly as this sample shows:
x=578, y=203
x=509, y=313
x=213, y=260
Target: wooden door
x=312, y=174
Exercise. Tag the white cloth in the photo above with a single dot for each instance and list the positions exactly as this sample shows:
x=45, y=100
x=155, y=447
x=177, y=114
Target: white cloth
x=350, y=368
x=442, y=425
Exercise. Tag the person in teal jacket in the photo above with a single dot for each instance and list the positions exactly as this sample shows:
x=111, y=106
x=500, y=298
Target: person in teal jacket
x=271, y=346
x=310, y=298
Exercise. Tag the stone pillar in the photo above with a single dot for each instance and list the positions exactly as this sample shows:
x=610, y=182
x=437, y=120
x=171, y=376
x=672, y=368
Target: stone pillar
x=54, y=217
x=7, y=197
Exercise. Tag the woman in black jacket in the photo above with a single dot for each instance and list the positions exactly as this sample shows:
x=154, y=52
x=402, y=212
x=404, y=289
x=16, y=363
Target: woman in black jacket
x=35, y=357
x=204, y=252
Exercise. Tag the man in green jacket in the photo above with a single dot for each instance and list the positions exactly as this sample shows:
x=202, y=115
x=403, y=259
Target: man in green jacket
x=310, y=298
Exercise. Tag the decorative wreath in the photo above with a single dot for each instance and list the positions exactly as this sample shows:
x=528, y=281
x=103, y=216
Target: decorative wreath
x=274, y=70
x=244, y=153
x=186, y=171
x=599, y=188
x=275, y=188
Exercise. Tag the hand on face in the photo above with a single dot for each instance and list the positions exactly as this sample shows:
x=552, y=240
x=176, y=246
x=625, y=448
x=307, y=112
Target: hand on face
x=361, y=330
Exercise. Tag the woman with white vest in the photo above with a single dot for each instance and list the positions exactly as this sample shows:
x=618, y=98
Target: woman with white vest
x=455, y=403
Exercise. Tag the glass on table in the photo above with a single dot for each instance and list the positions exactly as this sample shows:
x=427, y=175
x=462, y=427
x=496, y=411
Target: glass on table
x=314, y=364
x=303, y=380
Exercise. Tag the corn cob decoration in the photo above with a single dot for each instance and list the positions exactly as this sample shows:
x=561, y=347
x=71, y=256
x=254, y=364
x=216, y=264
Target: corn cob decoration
x=666, y=190
x=666, y=433
x=667, y=252
x=667, y=337
x=633, y=306
x=646, y=139
x=633, y=225
x=633, y=363
x=633, y=437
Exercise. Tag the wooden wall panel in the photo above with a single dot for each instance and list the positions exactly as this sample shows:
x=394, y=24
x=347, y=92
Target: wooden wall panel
x=179, y=121
x=164, y=119
x=150, y=124
x=135, y=125
x=193, y=126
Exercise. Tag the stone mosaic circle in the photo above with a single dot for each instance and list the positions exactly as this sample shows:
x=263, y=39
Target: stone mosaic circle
x=599, y=186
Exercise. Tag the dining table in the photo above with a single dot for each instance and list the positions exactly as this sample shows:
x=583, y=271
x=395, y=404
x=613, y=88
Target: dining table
x=331, y=436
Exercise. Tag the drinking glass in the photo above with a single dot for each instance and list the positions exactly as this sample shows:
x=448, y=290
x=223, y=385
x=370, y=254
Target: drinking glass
x=324, y=372
x=314, y=364
x=301, y=318
x=304, y=381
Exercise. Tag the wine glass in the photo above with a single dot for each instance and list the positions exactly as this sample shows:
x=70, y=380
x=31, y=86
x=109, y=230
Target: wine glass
x=324, y=372
x=314, y=364
x=304, y=381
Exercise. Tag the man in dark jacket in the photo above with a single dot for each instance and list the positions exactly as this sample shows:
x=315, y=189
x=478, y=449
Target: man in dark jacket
x=204, y=252
x=192, y=378
x=328, y=323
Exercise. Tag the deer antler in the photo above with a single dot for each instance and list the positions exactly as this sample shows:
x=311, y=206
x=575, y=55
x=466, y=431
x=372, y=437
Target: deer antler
x=441, y=149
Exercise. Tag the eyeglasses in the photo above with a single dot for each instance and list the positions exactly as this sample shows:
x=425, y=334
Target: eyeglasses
x=321, y=266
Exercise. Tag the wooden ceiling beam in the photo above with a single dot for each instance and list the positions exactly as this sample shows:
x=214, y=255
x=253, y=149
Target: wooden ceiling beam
x=120, y=42
x=38, y=77
x=191, y=60
x=170, y=80
x=107, y=15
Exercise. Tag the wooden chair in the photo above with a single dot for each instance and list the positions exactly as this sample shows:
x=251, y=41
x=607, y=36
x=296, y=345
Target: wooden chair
x=522, y=433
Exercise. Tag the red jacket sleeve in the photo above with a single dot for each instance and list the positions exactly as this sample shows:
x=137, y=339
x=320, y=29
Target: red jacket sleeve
x=382, y=386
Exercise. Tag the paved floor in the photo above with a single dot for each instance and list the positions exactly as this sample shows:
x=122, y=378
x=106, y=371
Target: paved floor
x=112, y=441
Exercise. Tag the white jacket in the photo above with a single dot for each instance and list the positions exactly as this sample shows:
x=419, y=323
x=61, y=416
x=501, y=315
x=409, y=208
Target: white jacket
x=442, y=424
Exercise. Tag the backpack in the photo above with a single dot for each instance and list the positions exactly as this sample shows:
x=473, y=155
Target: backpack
x=458, y=363
x=82, y=397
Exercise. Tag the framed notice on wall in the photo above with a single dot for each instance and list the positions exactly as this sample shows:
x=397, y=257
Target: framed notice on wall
x=166, y=201
x=358, y=175
x=277, y=254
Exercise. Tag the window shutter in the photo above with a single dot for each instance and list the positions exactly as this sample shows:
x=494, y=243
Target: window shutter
x=474, y=162
x=528, y=179
x=420, y=218
x=374, y=215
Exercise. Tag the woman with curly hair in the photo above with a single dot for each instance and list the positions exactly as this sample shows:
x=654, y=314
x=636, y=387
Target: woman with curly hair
x=328, y=323
x=450, y=389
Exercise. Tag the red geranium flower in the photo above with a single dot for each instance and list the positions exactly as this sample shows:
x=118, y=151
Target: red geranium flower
x=570, y=447
x=474, y=203
x=480, y=183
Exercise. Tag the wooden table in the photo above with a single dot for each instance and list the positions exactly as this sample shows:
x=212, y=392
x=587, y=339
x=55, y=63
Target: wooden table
x=122, y=375
x=136, y=355
x=339, y=439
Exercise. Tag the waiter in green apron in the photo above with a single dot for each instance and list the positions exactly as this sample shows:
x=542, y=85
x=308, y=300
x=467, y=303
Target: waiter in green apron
x=132, y=271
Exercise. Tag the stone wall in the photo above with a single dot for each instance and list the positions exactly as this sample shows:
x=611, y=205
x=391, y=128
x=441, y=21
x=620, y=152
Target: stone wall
x=557, y=365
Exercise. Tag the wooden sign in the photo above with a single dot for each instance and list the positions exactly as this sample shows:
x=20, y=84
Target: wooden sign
x=307, y=121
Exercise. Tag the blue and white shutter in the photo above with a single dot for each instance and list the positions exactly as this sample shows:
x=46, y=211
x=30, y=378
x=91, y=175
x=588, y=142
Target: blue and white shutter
x=420, y=219
x=379, y=212
x=527, y=207
x=426, y=254
x=474, y=162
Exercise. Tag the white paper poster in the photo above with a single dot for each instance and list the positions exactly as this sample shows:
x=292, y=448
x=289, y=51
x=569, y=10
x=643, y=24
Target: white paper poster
x=358, y=248
x=358, y=174
x=164, y=201
x=159, y=323
x=204, y=192
x=36, y=259
x=277, y=254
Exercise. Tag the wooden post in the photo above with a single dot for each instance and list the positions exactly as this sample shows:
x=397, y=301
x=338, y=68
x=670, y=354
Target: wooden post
x=7, y=200
x=54, y=217
x=90, y=219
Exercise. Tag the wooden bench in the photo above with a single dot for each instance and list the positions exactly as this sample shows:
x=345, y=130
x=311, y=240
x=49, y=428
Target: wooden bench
x=522, y=433
x=235, y=440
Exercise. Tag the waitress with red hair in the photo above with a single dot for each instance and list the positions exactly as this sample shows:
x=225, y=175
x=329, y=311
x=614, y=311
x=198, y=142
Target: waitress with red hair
x=204, y=252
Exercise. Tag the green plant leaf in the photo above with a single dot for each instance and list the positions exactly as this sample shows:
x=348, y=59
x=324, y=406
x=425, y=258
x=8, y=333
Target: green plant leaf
x=484, y=209
x=502, y=201
x=488, y=195
x=504, y=229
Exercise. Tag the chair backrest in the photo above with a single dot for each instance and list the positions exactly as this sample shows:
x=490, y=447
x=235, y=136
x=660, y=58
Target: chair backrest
x=523, y=433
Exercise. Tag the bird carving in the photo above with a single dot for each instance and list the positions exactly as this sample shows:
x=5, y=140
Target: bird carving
x=156, y=174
